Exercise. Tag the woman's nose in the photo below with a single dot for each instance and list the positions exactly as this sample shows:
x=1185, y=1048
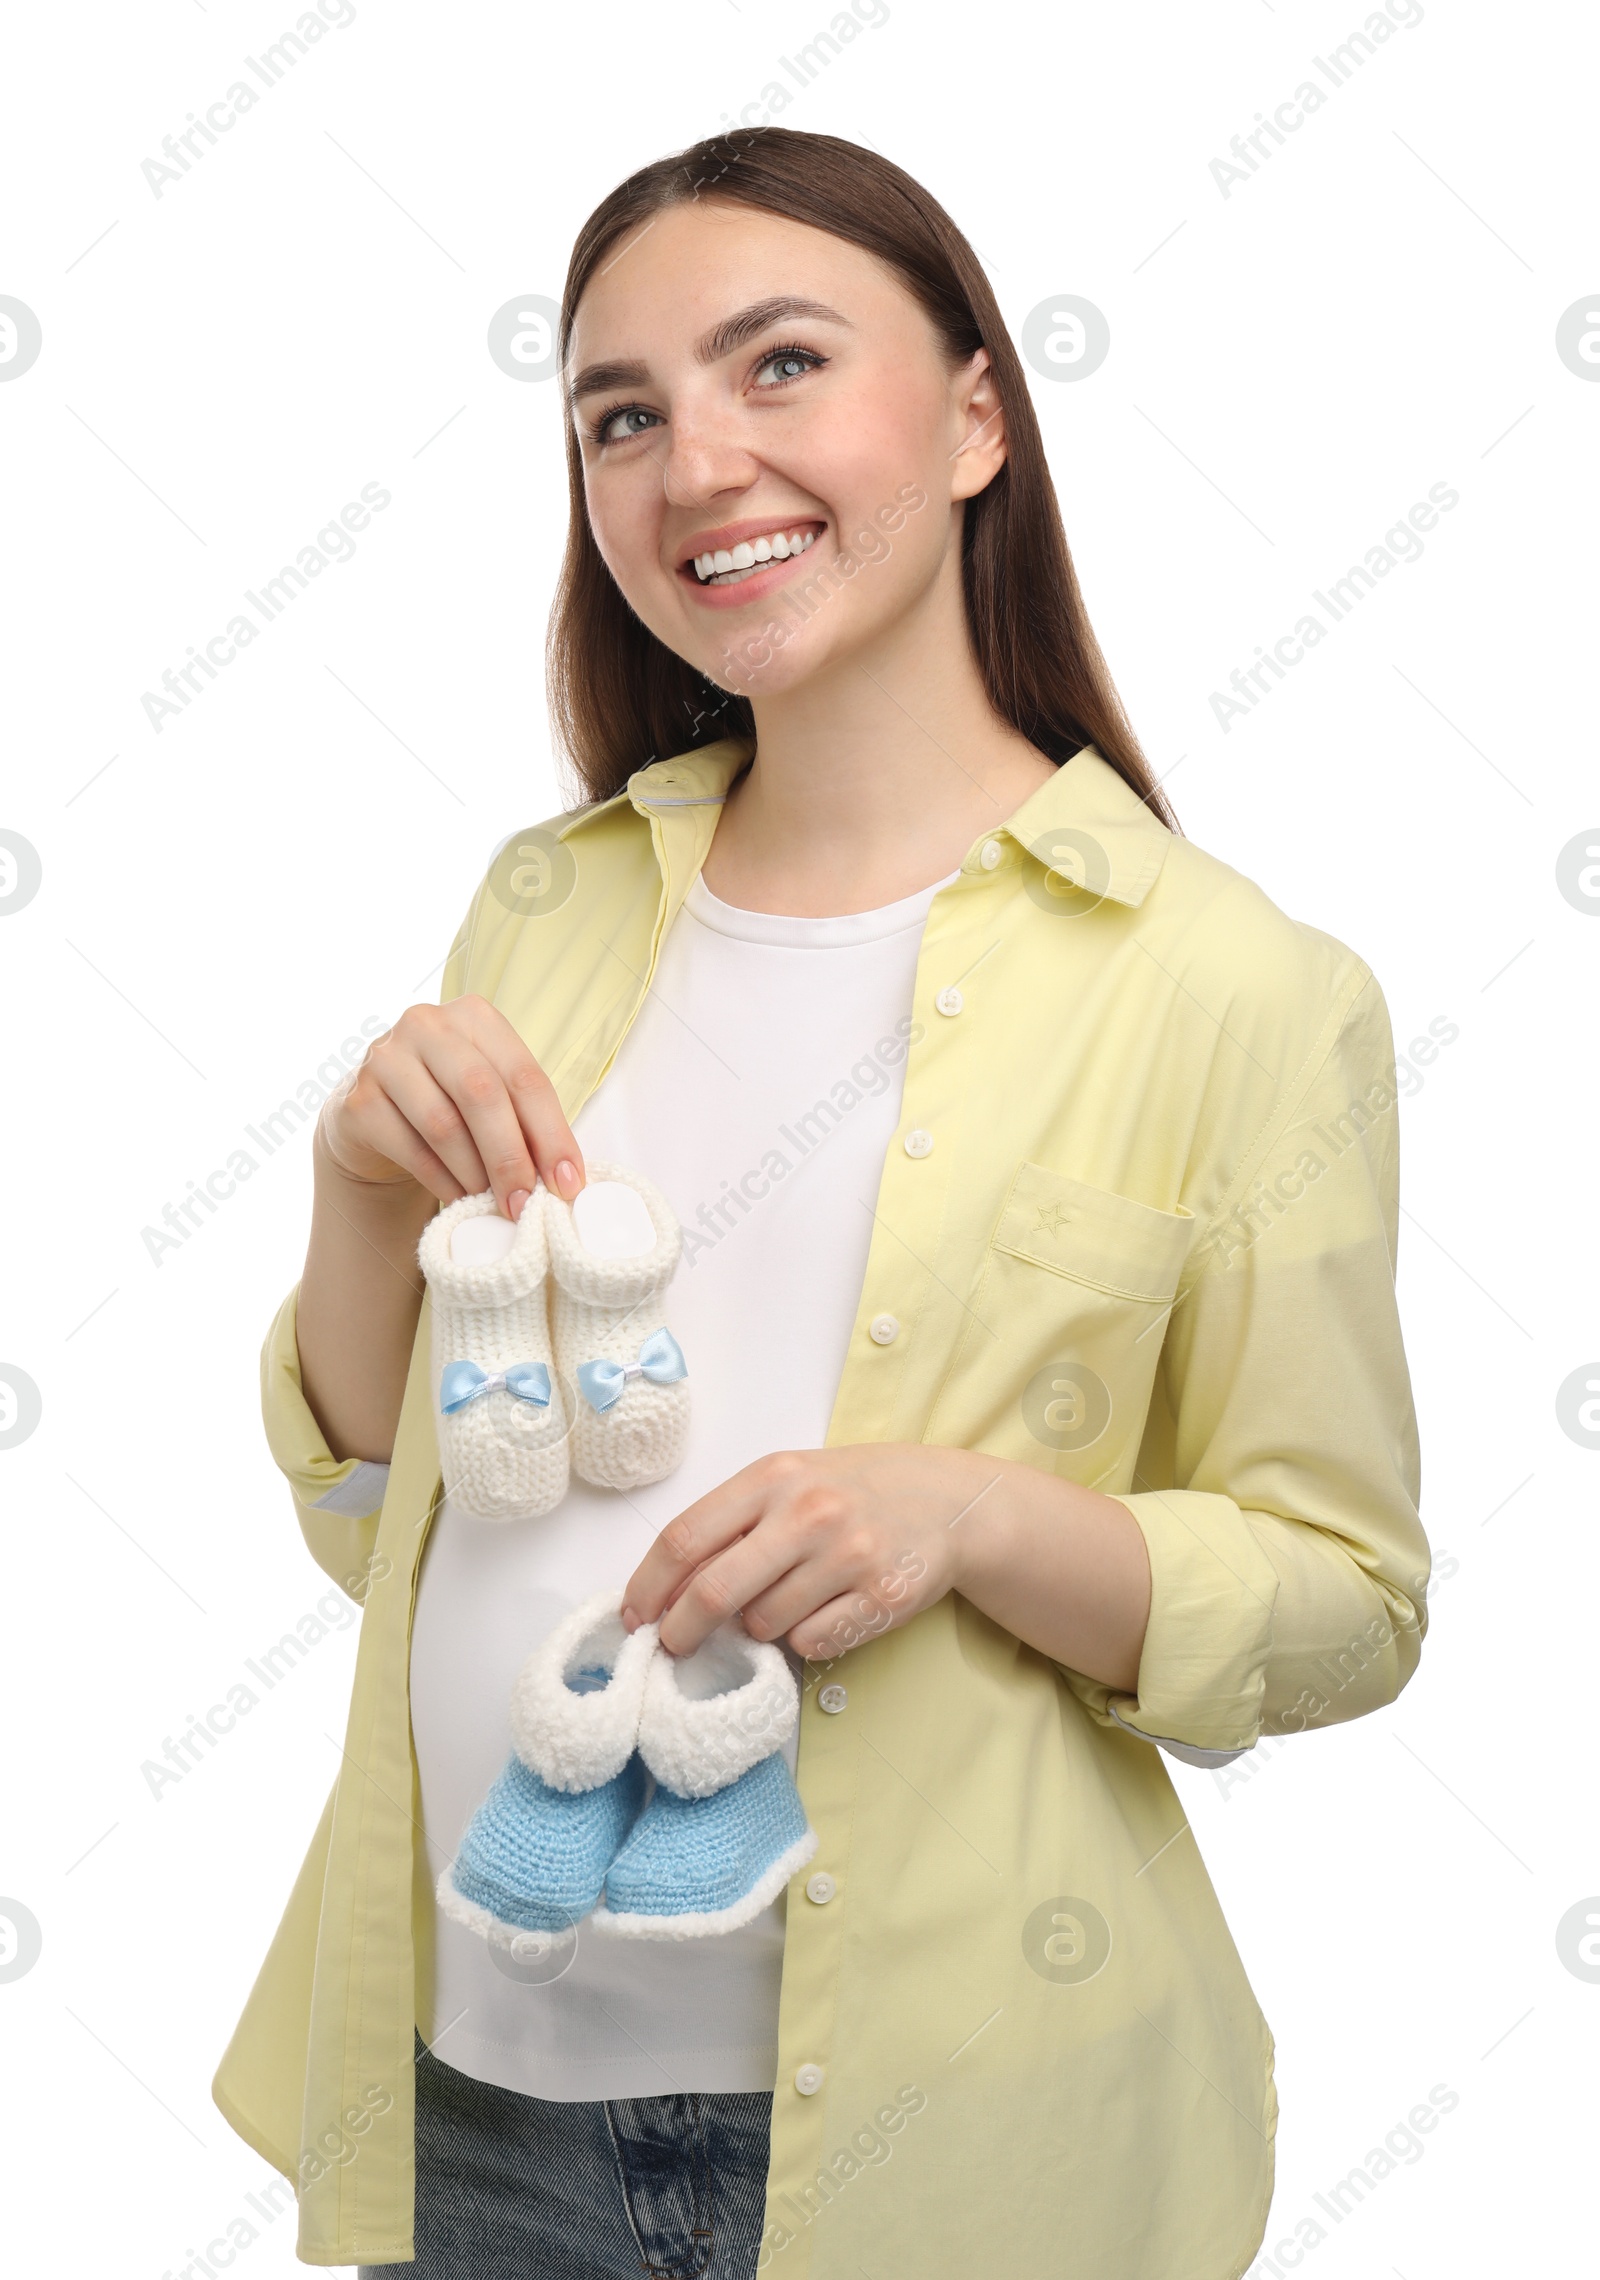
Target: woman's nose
x=705, y=457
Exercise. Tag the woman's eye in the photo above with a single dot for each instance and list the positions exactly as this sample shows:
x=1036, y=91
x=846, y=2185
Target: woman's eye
x=616, y=427
x=787, y=364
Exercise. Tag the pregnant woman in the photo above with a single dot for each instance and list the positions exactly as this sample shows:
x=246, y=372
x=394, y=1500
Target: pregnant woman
x=1037, y=1180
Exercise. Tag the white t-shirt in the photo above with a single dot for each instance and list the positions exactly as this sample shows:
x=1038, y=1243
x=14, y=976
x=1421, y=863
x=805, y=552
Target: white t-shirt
x=759, y=1088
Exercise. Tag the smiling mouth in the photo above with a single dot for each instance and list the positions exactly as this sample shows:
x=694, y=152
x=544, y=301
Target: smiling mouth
x=730, y=566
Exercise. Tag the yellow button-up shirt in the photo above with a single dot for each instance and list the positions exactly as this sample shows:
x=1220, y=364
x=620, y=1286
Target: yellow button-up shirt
x=1151, y=1249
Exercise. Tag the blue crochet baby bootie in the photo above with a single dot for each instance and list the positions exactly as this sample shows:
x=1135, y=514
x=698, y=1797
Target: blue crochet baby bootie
x=533, y=1858
x=535, y=1853
x=724, y=1829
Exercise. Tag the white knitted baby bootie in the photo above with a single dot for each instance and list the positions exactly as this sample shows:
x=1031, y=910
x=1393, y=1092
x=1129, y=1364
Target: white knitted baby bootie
x=501, y=1420
x=613, y=1252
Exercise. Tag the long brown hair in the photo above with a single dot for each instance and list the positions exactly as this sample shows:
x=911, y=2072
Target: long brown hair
x=619, y=697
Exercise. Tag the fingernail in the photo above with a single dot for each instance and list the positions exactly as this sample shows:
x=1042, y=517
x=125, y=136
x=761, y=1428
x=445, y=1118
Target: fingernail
x=630, y=1621
x=566, y=1175
x=515, y=1201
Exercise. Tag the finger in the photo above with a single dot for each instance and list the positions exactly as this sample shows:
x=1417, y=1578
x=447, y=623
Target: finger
x=838, y=1624
x=380, y=1126
x=696, y=1535
x=535, y=1102
x=719, y=1589
x=478, y=1092
x=773, y=1576
x=427, y=1107
x=822, y=1569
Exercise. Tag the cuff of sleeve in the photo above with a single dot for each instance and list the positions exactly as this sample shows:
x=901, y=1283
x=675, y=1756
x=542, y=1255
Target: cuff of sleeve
x=1184, y=1750
x=361, y=1495
x=1202, y=1672
x=350, y=1487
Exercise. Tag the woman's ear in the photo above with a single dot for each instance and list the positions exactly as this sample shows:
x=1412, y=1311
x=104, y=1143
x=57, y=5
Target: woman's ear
x=981, y=452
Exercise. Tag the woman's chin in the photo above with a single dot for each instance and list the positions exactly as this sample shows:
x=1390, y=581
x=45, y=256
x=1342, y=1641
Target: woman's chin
x=756, y=676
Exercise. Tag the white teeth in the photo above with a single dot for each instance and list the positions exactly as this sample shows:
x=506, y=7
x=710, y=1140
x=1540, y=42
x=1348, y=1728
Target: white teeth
x=729, y=565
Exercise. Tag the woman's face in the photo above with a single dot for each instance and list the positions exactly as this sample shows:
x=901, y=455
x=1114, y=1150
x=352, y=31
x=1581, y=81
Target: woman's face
x=772, y=442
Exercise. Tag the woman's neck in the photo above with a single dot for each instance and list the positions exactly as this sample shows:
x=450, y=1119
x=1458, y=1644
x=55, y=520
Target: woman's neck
x=871, y=779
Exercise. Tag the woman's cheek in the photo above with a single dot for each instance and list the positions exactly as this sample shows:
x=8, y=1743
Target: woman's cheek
x=628, y=542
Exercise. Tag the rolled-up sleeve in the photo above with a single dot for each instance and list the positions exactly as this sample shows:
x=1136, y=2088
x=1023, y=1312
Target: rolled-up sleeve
x=336, y=1501
x=1278, y=1478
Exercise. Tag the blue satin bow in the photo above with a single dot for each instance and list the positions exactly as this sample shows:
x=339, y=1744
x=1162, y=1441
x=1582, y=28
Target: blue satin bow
x=660, y=1360
x=464, y=1382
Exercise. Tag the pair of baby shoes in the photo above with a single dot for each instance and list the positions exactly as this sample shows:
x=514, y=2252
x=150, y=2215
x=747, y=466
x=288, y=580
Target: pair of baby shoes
x=549, y=1349
x=647, y=1792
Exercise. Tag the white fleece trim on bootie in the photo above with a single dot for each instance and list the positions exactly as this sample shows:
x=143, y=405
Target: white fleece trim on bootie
x=577, y=1741
x=502, y=1458
x=705, y=1923
x=474, y=1918
x=699, y=1727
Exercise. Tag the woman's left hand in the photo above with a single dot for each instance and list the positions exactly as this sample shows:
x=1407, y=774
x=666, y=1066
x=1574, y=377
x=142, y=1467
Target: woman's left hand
x=827, y=1547
x=824, y=1547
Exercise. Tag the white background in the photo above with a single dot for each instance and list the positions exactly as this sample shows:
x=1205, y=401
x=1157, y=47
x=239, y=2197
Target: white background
x=1291, y=367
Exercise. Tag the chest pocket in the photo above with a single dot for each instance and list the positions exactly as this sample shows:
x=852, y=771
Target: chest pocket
x=1059, y=1355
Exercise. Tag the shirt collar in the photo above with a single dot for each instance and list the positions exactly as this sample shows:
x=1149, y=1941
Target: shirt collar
x=1086, y=820
x=697, y=779
x=1085, y=817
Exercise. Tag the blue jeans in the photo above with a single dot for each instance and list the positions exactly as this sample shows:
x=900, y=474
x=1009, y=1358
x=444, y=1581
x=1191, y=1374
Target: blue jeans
x=517, y=2188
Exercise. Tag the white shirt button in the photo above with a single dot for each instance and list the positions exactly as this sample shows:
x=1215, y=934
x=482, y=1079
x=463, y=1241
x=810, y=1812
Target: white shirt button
x=919, y=1143
x=832, y=1699
x=883, y=1329
x=808, y=2079
x=820, y=1887
x=949, y=1001
x=990, y=854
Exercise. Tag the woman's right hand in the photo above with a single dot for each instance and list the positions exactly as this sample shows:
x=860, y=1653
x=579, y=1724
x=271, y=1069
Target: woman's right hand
x=450, y=1100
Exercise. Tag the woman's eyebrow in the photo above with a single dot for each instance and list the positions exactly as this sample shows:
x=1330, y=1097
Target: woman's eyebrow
x=602, y=379
x=734, y=331
x=723, y=338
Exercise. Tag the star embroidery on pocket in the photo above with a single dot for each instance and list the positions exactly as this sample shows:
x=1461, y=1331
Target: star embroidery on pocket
x=1052, y=1218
